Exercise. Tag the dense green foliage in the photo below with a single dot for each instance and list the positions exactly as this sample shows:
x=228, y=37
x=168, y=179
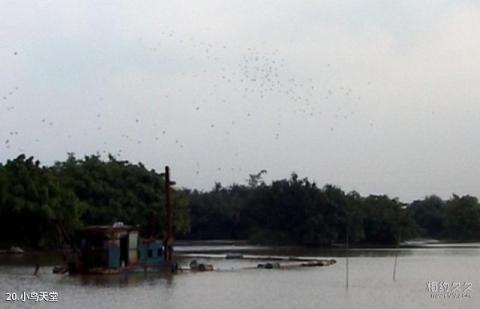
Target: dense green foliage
x=455, y=219
x=34, y=204
x=296, y=211
x=42, y=206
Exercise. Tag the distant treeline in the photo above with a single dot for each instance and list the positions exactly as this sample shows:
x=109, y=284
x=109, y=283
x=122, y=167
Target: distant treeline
x=43, y=206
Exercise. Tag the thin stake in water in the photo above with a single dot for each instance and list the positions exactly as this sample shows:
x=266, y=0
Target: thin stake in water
x=346, y=256
x=396, y=257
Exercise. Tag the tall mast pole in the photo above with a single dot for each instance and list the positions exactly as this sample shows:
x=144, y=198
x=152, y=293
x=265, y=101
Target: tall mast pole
x=167, y=202
x=168, y=242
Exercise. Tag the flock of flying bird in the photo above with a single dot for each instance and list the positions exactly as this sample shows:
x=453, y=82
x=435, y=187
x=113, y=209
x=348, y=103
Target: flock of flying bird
x=258, y=81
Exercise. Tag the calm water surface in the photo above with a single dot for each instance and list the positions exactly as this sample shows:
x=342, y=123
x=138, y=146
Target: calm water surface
x=237, y=284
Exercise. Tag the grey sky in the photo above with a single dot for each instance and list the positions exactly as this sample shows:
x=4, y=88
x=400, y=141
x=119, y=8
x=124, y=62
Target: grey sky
x=373, y=96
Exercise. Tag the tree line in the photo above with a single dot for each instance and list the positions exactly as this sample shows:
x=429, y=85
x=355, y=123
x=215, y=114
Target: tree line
x=42, y=206
x=297, y=211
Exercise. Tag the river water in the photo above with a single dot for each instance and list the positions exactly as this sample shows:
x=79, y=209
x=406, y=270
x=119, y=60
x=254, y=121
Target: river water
x=441, y=276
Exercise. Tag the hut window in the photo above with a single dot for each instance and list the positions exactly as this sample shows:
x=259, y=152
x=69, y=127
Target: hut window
x=150, y=253
x=159, y=251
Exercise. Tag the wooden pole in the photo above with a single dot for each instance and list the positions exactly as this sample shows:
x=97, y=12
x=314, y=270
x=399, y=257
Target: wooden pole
x=396, y=257
x=395, y=266
x=168, y=218
x=167, y=202
x=346, y=256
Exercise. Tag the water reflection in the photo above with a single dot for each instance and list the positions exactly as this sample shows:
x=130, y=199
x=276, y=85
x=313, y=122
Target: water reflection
x=121, y=280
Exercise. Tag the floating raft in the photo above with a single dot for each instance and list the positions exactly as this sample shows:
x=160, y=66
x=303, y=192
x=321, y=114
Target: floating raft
x=296, y=263
x=271, y=262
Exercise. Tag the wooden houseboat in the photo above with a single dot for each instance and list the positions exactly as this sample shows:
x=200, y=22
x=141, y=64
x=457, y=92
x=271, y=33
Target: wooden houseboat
x=104, y=249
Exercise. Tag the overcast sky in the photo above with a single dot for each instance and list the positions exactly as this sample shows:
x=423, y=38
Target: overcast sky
x=372, y=96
